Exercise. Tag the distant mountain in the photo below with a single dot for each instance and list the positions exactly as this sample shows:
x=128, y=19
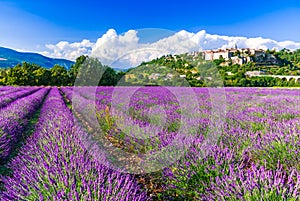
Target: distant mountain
x=10, y=58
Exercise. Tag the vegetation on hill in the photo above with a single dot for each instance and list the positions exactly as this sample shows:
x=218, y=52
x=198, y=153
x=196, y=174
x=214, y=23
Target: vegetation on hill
x=168, y=70
x=198, y=72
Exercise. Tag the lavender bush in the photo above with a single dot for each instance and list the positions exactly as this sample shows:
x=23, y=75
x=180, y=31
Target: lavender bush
x=55, y=165
x=13, y=95
x=14, y=118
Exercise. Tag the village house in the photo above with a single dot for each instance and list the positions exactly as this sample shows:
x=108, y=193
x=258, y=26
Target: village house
x=169, y=76
x=217, y=54
x=154, y=76
x=235, y=55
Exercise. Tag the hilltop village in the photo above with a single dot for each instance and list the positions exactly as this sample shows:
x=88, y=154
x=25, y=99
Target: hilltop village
x=235, y=66
x=241, y=56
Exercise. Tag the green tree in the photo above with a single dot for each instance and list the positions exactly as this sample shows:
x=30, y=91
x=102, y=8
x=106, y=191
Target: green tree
x=73, y=72
x=42, y=77
x=59, y=76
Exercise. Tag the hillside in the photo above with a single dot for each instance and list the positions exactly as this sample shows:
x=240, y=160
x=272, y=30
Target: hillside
x=196, y=71
x=10, y=58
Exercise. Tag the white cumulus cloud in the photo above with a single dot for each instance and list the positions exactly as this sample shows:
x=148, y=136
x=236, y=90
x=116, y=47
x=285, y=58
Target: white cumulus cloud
x=126, y=50
x=67, y=50
x=112, y=46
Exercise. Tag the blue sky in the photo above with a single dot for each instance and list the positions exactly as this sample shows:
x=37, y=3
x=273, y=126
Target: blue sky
x=31, y=24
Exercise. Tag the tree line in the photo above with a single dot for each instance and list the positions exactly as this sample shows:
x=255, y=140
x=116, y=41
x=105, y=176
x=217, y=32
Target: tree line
x=29, y=74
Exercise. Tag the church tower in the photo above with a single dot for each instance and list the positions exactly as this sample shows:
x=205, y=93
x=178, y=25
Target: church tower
x=235, y=46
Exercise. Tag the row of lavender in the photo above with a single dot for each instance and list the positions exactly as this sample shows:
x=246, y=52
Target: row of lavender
x=10, y=94
x=255, y=158
x=54, y=163
x=15, y=116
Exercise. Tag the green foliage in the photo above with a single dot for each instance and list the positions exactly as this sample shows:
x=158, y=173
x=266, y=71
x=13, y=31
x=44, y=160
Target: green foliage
x=191, y=179
x=27, y=74
x=59, y=76
x=262, y=194
x=285, y=152
x=75, y=68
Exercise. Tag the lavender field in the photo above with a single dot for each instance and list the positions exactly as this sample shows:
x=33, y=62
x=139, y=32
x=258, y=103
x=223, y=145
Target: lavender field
x=149, y=143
